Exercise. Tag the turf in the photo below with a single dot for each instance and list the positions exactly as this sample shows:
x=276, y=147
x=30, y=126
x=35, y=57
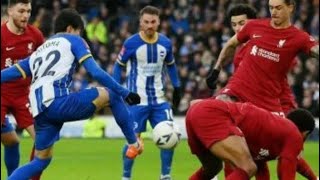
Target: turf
x=99, y=159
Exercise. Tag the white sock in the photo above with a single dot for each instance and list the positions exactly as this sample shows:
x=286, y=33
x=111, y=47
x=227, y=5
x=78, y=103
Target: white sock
x=215, y=178
x=125, y=178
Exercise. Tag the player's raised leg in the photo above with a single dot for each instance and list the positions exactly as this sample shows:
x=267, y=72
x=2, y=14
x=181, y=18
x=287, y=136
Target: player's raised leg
x=140, y=115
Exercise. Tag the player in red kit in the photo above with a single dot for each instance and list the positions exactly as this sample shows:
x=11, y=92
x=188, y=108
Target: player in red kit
x=247, y=137
x=18, y=40
x=272, y=44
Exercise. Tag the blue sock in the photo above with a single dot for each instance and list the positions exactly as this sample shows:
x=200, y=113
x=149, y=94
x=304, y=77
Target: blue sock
x=122, y=116
x=127, y=163
x=166, y=161
x=11, y=157
x=34, y=167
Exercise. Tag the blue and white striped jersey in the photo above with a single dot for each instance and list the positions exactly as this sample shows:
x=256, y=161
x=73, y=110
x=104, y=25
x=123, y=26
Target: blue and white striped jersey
x=145, y=74
x=52, y=66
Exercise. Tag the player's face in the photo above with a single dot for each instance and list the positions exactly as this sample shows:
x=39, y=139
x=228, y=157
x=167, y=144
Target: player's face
x=20, y=14
x=280, y=12
x=149, y=24
x=237, y=22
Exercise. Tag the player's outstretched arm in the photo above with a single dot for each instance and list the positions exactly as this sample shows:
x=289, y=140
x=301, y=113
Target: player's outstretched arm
x=227, y=51
x=304, y=169
x=314, y=51
x=287, y=168
x=17, y=71
x=106, y=80
x=117, y=70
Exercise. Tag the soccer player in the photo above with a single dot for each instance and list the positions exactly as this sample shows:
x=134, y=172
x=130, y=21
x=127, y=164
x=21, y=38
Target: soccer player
x=247, y=137
x=272, y=44
x=51, y=67
x=238, y=16
x=149, y=53
x=18, y=40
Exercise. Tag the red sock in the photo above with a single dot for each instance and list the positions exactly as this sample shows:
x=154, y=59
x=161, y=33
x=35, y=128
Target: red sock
x=238, y=174
x=197, y=175
x=37, y=177
x=228, y=169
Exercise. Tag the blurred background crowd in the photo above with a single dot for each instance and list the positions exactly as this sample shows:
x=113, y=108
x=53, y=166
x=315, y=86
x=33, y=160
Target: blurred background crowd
x=198, y=30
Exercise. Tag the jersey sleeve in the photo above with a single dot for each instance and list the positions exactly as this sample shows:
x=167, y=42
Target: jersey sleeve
x=244, y=34
x=79, y=48
x=169, y=58
x=288, y=159
x=125, y=53
x=24, y=68
x=308, y=42
x=17, y=71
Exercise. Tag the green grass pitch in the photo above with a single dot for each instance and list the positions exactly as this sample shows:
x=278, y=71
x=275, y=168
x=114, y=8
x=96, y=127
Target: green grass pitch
x=100, y=159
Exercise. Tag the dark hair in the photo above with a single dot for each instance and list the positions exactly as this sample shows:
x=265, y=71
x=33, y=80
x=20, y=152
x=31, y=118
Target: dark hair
x=242, y=9
x=303, y=119
x=150, y=10
x=68, y=17
x=290, y=2
x=14, y=2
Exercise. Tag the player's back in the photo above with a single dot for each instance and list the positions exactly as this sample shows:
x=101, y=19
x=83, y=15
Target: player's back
x=268, y=136
x=52, y=66
x=145, y=72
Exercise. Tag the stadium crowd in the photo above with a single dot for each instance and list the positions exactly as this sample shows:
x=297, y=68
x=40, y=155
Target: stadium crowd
x=198, y=30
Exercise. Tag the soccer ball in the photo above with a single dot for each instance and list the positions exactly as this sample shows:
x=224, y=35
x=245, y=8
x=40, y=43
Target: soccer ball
x=166, y=135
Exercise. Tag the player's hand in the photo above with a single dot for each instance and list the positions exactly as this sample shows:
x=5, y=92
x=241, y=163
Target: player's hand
x=133, y=98
x=212, y=79
x=176, y=97
x=135, y=149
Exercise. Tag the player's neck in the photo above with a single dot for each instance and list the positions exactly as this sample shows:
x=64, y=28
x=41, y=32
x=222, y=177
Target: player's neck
x=149, y=39
x=283, y=25
x=14, y=29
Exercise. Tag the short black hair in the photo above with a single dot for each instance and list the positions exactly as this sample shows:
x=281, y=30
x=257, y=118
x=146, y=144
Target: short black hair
x=150, y=10
x=290, y=2
x=68, y=17
x=303, y=119
x=242, y=9
x=14, y=2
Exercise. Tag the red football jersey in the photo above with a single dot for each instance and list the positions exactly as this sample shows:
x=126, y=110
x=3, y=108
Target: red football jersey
x=268, y=136
x=14, y=48
x=238, y=56
x=268, y=57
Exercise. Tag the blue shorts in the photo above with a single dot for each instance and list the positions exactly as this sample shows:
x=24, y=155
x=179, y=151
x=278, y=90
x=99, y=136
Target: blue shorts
x=73, y=107
x=153, y=113
x=6, y=126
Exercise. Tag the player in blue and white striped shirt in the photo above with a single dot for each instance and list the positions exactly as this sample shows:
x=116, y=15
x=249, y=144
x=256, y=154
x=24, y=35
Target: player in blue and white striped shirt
x=51, y=67
x=146, y=56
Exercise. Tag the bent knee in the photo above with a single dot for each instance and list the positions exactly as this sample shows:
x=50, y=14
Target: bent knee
x=250, y=168
x=10, y=138
x=103, y=98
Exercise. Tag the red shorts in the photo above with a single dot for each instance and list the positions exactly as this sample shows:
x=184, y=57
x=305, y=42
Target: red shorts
x=208, y=122
x=19, y=108
x=271, y=104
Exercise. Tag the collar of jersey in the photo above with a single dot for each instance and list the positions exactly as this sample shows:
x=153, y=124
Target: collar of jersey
x=150, y=41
